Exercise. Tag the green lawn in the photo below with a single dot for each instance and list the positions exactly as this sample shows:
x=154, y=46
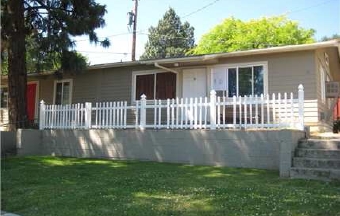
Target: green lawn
x=68, y=186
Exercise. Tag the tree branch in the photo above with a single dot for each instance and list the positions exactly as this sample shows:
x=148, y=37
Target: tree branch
x=44, y=6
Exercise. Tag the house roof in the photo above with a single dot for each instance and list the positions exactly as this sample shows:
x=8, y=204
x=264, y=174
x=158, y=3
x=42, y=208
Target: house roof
x=211, y=57
x=207, y=57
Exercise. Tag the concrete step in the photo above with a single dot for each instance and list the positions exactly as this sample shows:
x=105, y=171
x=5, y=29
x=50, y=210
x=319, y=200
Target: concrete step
x=314, y=173
x=331, y=144
x=317, y=153
x=325, y=135
x=316, y=163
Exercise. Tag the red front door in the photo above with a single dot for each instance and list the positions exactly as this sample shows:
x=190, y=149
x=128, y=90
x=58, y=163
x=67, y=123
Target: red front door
x=31, y=94
x=336, y=111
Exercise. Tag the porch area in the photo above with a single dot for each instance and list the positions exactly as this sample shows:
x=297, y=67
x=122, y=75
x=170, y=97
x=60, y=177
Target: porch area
x=276, y=111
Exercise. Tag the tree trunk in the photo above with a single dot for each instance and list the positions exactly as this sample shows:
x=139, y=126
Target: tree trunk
x=17, y=77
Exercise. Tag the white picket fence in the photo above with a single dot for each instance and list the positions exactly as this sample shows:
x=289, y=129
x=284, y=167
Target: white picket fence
x=265, y=111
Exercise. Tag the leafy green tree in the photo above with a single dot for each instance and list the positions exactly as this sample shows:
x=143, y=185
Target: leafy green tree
x=233, y=35
x=50, y=25
x=170, y=38
x=334, y=36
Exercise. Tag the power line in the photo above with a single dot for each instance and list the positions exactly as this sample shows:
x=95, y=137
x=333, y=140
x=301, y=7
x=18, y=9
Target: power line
x=114, y=35
x=306, y=8
x=103, y=52
x=164, y=37
x=141, y=31
x=200, y=9
x=168, y=36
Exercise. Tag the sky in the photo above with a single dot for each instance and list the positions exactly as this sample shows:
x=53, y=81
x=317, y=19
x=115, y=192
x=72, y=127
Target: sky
x=320, y=15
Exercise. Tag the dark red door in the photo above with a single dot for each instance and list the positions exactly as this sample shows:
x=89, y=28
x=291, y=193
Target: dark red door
x=336, y=111
x=31, y=93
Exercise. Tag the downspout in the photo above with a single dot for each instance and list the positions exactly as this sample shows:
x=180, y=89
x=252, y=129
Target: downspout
x=165, y=68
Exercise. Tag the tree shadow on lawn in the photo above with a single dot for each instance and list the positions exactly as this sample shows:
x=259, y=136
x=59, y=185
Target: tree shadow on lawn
x=70, y=186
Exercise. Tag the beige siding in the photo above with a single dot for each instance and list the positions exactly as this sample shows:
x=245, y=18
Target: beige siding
x=3, y=119
x=325, y=109
x=114, y=84
x=85, y=88
x=334, y=63
x=285, y=72
x=46, y=88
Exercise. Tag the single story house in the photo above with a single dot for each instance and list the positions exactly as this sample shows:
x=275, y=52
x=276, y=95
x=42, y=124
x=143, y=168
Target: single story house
x=251, y=72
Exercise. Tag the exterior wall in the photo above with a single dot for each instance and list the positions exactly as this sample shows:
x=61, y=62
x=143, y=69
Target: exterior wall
x=334, y=63
x=46, y=87
x=103, y=85
x=112, y=84
x=3, y=119
x=285, y=72
x=332, y=68
x=3, y=111
x=267, y=149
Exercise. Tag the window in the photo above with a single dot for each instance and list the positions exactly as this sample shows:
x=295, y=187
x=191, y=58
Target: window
x=232, y=82
x=4, y=97
x=156, y=86
x=63, y=90
x=241, y=81
x=145, y=85
x=322, y=84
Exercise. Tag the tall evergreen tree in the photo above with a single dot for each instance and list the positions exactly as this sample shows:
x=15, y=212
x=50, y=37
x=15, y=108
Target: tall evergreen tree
x=170, y=38
x=51, y=25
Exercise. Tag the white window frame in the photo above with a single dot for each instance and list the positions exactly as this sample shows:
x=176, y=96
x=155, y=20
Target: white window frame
x=63, y=81
x=243, y=65
x=148, y=72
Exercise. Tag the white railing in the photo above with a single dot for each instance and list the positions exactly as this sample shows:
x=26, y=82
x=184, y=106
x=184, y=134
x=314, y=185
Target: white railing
x=265, y=111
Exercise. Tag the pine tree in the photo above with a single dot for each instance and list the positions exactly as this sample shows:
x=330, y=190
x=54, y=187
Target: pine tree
x=327, y=38
x=170, y=38
x=51, y=25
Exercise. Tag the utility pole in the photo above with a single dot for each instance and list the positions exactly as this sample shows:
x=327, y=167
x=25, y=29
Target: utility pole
x=133, y=54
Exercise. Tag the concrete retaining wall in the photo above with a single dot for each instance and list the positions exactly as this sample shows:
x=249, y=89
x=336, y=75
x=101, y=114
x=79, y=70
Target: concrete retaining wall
x=8, y=142
x=252, y=149
x=29, y=142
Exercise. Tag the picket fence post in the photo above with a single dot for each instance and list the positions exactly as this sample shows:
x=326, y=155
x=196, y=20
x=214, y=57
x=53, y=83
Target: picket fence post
x=42, y=115
x=142, y=112
x=301, y=107
x=213, y=110
x=88, y=116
